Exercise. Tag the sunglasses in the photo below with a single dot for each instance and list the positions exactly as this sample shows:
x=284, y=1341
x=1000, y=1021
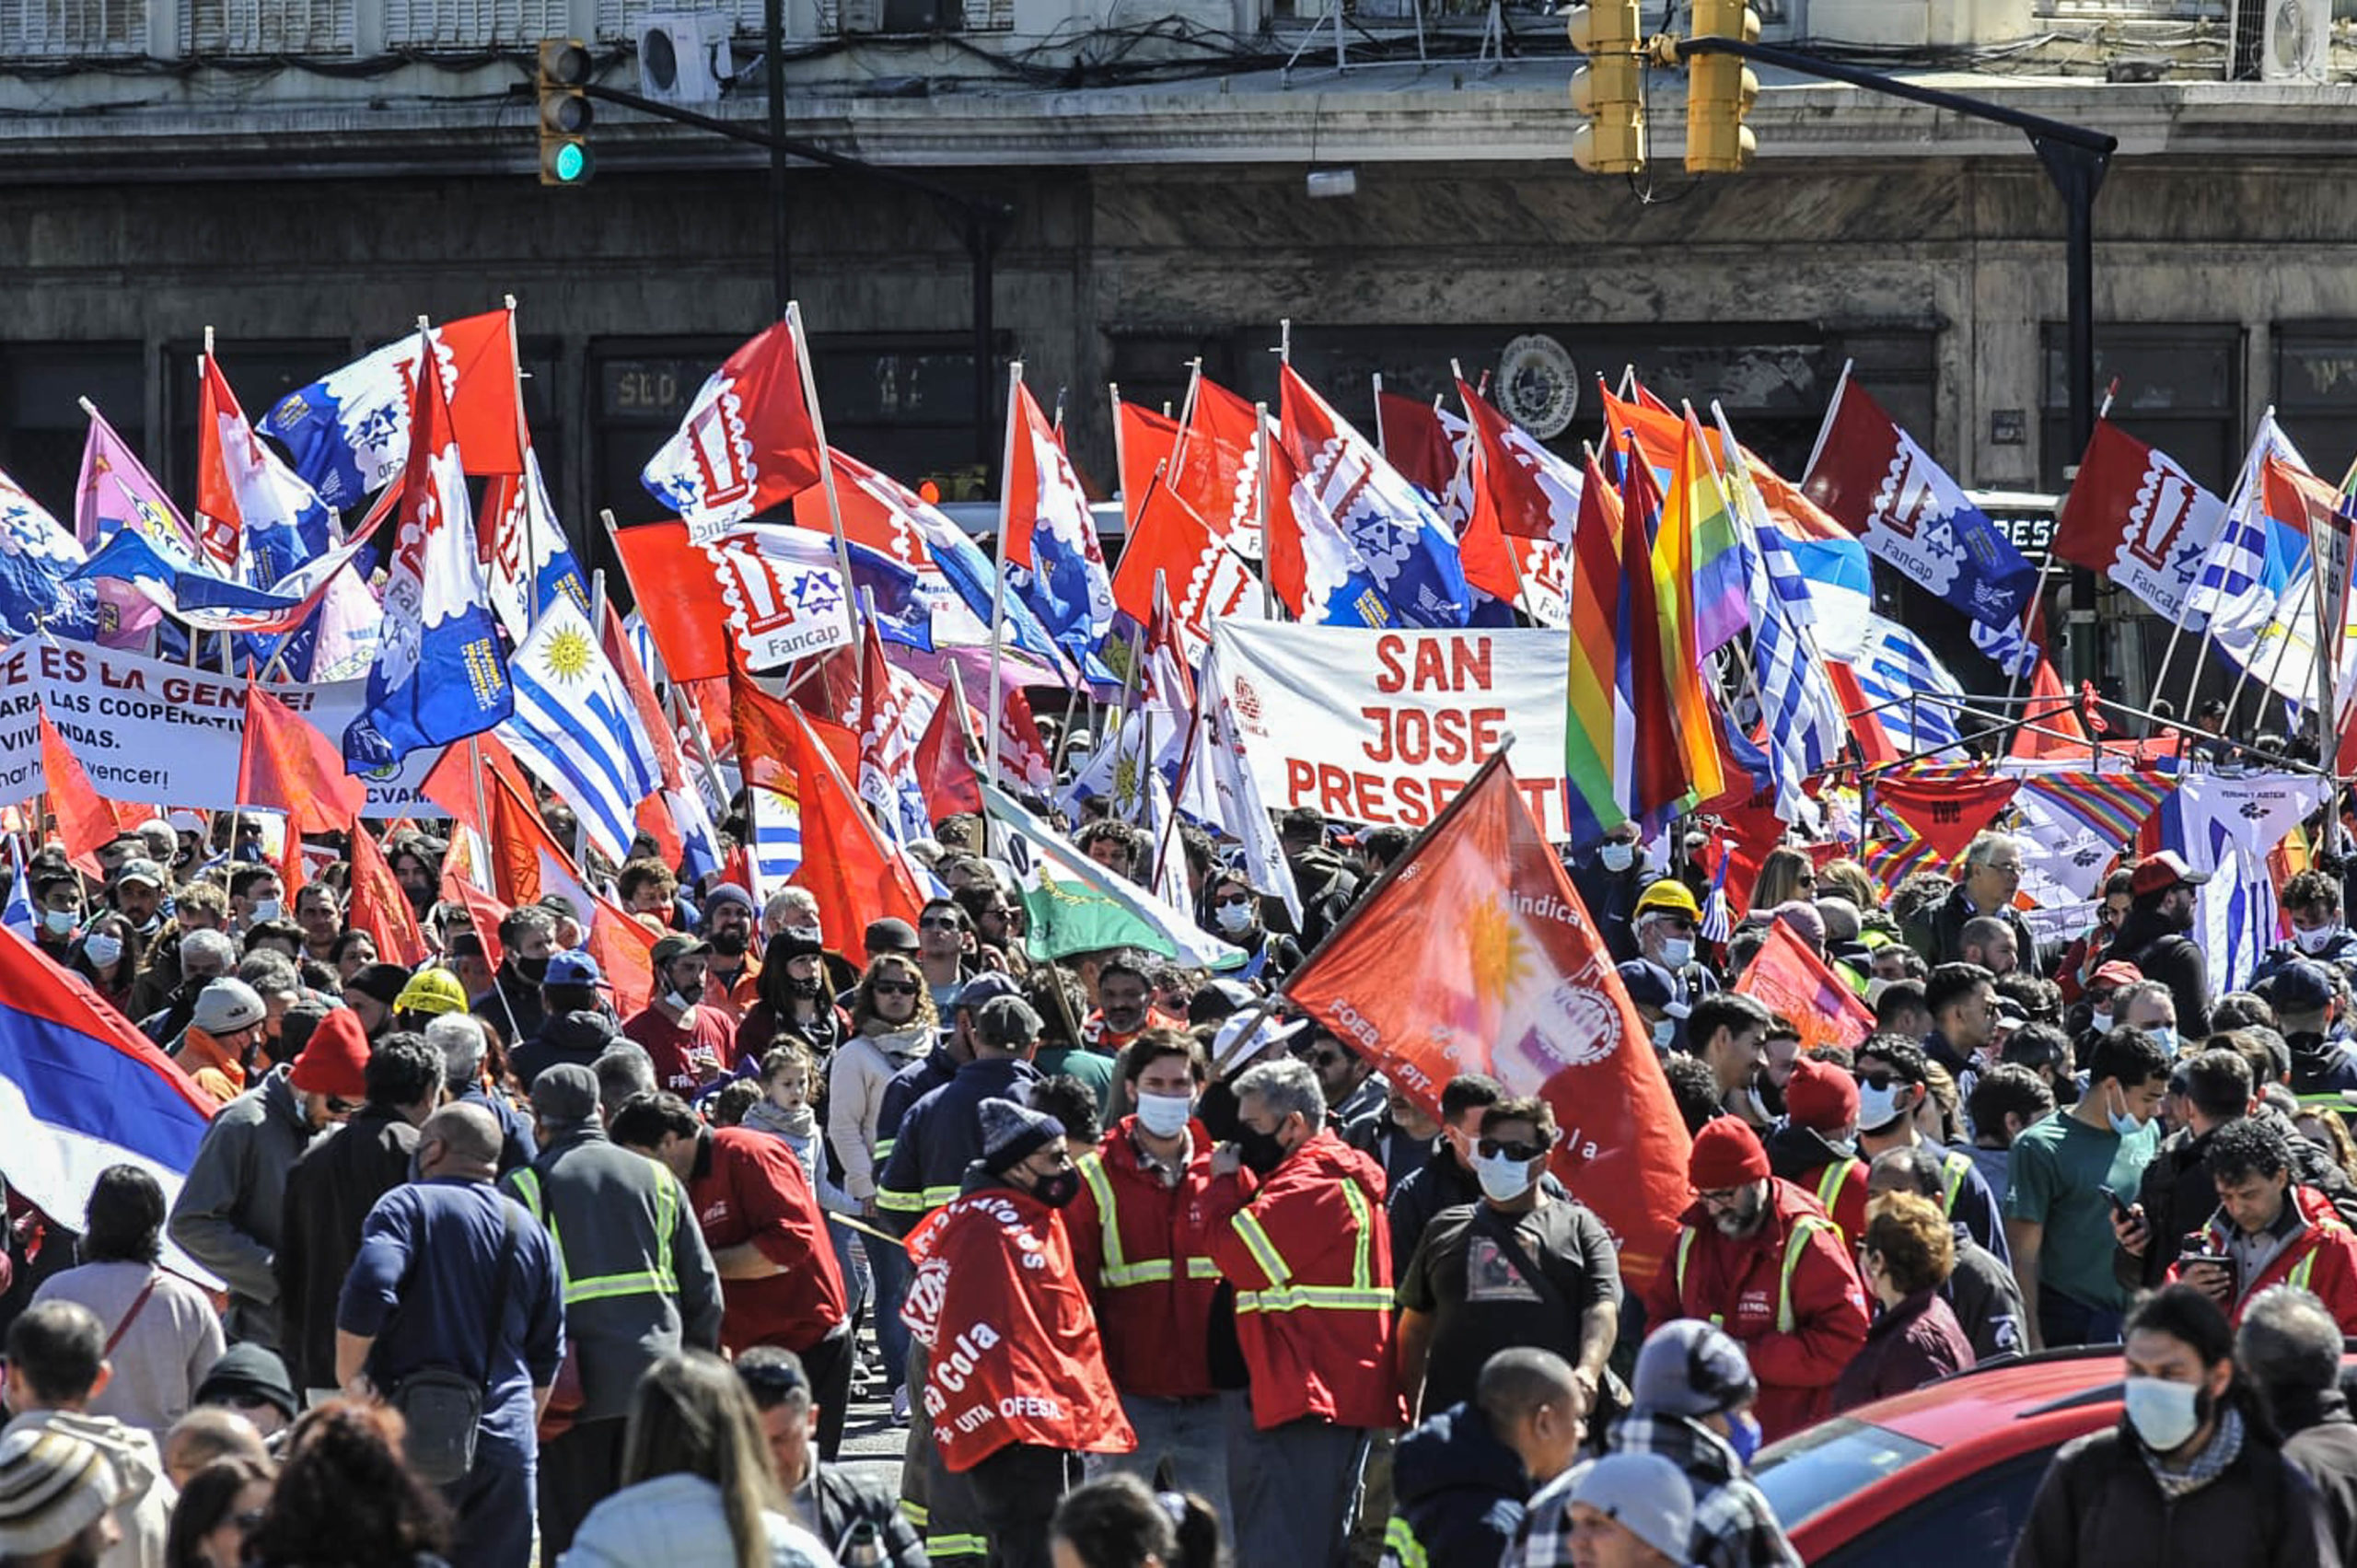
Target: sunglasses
x=894, y=988
x=938, y=922
x=1232, y=900
x=1492, y=1148
x=1323, y=1058
x=1881, y=1083
x=342, y=1107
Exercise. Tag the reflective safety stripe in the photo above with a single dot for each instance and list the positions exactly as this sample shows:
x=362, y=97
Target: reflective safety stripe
x=1116, y=1270
x=883, y=1152
x=1794, y=1245
x=1361, y=1294
x=657, y=1281
x=1828, y=1186
x=915, y=1511
x=1955, y=1165
x=922, y=1203
x=939, y=1547
x=2303, y=1269
x=1400, y=1547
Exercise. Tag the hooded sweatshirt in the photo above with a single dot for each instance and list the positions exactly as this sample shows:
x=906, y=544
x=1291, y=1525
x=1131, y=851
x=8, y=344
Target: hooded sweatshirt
x=578, y=1037
x=1457, y=1490
x=145, y=1515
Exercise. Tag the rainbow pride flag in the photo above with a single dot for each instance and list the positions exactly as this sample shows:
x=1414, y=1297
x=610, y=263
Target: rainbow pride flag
x=1598, y=728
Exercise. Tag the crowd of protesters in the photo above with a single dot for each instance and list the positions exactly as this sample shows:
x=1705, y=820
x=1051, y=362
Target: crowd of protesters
x=1151, y=1271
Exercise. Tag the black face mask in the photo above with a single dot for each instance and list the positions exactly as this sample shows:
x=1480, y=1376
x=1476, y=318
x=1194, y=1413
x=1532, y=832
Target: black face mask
x=1262, y=1151
x=1056, y=1190
x=533, y=970
x=802, y=987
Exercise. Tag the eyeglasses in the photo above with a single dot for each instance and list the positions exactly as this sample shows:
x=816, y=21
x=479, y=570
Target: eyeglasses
x=1881, y=1083
x=342, y=1107
x=894, y=988
x=1492, y=1148
x=1232, y=900
x=1718, y=1197
x=938, y=922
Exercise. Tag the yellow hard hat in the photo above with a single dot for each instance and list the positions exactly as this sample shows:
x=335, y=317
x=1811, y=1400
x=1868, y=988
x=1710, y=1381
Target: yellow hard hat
x=1670, y=894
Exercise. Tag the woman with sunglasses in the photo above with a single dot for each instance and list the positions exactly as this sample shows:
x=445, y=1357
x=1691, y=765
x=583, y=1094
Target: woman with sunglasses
x=893, y=1025
x=217, y=1511
x=1233, y=910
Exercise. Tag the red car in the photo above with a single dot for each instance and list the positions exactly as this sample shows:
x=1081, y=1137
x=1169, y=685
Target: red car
x=1944, y=1474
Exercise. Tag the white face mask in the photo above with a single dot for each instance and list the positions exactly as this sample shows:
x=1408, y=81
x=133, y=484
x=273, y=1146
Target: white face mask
x=1879, y=1109
x=102, y=950
x=1677, y=952
x=1502, y=1179
x=2317, y=940
x=265, y=908
x=60, y=922
x=1617, y=855
x=1664, y=1033
x=1233, y=918
x=1164, y=1116
x=2165, y=1414
x=2163, y=1036
x=2101, y=1022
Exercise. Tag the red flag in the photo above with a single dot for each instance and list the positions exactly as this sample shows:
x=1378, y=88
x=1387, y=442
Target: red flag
x=1944, y=807
x=2053, y=728
x=946, y=755
x=678, y=593
x=1786, y=978
x=483, y=914
x=2135, y=514
x=1506, y=493
x=485, y=412
x=1206, y=579
x=285, y=765
x=378, y=905
x=1023, y=761
x=746, y=443
x=220, y=517
x=1474, y=954
x=1216, y=472
x=1147, y=441
x=1874, y=745
x=857, y=879
x=84, y=819
x=625, y=953
x=1415, y=442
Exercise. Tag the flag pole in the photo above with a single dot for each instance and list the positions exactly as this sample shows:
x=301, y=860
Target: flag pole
x=524, y=480
x=1122, y=457
x=1825, y=429
x=1261, y=505
x=826, y=458
x=1441, y=818
x=998, y=576
x=2243, y=482
x=1377, y=378
x=2029, y=613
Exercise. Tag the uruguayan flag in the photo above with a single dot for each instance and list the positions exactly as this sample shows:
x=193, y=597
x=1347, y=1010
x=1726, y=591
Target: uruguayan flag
x=776, y=849
x=1802, y=713
x=575, y=725
x=1911, y=692
x=2253, y=558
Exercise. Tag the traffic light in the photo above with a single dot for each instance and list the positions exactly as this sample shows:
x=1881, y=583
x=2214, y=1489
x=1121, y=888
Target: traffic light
x=1719, y=90
x=565, y=113
x=1610, y=89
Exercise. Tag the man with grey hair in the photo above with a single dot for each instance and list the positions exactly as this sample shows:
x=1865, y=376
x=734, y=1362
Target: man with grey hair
x=451, y=1275
x=460, y=1037
x=624, y=1072
x=1991, y=874
x=794, y=910
x=1310, y=1258
x=2289, y=1346
x=942, y=1132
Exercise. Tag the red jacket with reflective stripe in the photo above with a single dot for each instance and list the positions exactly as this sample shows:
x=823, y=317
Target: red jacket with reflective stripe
x=1738, y=1284
x=1310, y=1258
x=1153, y=1307
x=2326, y=1248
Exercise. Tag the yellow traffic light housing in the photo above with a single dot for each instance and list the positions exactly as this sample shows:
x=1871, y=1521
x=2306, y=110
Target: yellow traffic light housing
x=565, y=113
x=1719, y=91
x=1610, y=89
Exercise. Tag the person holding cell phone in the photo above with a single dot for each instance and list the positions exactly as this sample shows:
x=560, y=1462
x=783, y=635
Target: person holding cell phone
x=2268, y=1229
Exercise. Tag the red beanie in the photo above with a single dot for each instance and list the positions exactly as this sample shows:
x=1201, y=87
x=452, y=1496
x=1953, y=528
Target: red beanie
x=1727, y=1153
x=334, y=1061
x=1820, y=1096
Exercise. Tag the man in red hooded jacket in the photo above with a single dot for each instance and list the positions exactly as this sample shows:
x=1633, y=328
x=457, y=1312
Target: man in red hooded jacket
x=1310, y=1258
x=1015, y=1388
x=1759, y=1258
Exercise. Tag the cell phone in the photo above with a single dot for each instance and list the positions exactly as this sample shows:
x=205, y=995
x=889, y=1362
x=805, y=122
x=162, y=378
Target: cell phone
x=2119, y=1205
x=2185, y=1259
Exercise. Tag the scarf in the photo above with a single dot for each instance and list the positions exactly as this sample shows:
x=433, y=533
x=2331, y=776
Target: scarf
x=2224, y=1447
x=800, y=1122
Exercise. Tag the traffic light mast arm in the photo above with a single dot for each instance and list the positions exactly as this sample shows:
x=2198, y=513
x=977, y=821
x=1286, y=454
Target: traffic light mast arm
x=2036, y=126
x=2076, y=158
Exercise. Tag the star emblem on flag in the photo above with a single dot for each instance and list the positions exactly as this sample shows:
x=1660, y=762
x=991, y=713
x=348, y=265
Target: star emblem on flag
x=1493, y=951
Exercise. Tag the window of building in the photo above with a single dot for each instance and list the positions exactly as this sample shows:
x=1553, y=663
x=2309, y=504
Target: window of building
x=2180, y=388
x=43, y=427
x=2316, y=392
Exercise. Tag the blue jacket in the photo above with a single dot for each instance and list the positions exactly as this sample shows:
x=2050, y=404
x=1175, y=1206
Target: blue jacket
x=940, y=1136
x=1457, y=1493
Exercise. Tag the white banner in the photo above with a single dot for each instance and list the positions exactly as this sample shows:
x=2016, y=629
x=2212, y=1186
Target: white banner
x=1384, y=728
x=163, y=734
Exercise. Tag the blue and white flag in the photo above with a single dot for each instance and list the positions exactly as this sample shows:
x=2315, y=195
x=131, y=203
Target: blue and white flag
x=18, y=915
x=2237, y=915
x=38, y=558
x=255, y=516
x=439, y=675
x=1390, y=528
x=775, y=852
x=1801, y=712
x=531, y=563
x=2005, y=648
x=2253, y=558
x=349, y=431
x=1054, y=561
x=1910, y=692
x=575, y=725
x=699, y=841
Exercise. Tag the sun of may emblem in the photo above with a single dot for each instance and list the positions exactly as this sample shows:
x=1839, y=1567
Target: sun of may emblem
x=568, y=656
x=1493, y=951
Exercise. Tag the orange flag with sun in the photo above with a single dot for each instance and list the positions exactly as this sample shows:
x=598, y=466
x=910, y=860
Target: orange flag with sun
x=1474, y=955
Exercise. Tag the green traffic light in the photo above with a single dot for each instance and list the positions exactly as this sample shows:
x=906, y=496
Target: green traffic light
x=572, y=162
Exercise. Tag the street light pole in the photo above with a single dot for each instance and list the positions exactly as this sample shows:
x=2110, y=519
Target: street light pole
x=780, y=219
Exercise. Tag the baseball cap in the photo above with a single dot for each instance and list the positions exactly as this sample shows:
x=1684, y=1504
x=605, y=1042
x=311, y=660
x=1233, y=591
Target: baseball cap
x=2166, y=869
x=574, y=967
x=890, y=935
x=565, y=1092
x=987, y=986
x=139, y=869
x=1240, y=1038
x=677, y=945
x=2300, y=986
x=1648, y=987
x=2117, y=973
x=227, y=1005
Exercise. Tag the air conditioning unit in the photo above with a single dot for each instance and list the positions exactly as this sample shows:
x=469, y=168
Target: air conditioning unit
x=683, y=55
x=2281, y=40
